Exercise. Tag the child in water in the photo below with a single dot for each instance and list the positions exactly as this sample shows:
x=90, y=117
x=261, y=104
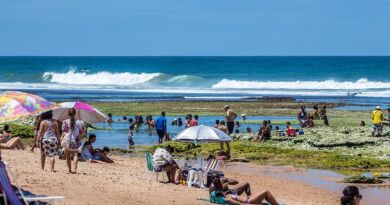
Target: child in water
x=130, y=135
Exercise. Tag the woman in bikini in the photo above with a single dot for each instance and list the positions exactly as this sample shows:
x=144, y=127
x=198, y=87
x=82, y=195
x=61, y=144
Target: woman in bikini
x=9, y=142
x=219, y=196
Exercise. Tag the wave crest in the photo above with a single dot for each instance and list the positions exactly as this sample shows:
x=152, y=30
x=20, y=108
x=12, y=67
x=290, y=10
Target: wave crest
x=100, y=78
x=360, y=84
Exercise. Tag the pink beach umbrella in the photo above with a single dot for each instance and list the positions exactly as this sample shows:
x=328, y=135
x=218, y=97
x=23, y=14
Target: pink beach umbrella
x=84, y=112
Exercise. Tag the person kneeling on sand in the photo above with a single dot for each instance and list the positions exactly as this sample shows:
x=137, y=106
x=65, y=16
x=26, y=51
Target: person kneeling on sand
x=9, y=142
x=221, y=194
x=163, y=161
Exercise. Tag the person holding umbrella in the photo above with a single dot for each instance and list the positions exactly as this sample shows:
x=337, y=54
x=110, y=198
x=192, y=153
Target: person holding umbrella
x=73, y=131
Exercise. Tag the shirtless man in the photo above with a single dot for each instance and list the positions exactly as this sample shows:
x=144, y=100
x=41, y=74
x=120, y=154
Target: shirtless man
x=230, y=117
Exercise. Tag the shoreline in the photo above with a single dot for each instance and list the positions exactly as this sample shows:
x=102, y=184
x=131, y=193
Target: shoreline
x=124, y=181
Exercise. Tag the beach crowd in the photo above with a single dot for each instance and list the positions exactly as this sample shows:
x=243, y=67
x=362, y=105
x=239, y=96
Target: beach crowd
x=70, y=140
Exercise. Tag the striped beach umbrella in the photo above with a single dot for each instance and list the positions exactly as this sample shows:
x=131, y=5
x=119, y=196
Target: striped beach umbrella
x=14, y=105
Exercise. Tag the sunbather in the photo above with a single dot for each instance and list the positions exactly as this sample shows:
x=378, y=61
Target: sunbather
x=223, y=183
x=9, y=142
x=219, y=196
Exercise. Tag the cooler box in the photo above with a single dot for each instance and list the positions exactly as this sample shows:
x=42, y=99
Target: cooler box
x=210, y=174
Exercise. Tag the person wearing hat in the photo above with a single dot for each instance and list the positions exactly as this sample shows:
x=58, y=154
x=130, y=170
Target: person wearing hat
x=377, y=118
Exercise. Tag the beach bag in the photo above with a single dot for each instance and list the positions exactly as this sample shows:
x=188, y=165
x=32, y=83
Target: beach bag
x=65, y=140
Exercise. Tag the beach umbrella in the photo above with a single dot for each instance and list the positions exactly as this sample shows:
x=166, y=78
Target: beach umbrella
x=14, y=105
x=84, y=112
x=202, y=134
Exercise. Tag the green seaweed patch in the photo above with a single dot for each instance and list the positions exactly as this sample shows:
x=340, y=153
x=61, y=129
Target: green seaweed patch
x=362, y=180
x=270, y=153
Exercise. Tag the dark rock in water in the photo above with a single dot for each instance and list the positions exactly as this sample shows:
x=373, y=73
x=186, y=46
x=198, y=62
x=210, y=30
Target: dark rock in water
x=362, y=180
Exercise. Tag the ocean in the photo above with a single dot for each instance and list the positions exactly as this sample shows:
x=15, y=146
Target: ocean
x=359, y=80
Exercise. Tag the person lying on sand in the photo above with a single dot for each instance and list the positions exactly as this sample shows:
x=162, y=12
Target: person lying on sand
x=223, y=183
x=102, y=155
x=219, y=196
x=9, y=142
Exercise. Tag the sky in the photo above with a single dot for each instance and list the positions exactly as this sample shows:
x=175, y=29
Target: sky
x=194, y=27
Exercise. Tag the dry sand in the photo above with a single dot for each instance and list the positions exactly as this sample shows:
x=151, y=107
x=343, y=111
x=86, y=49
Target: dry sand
x=128, y=182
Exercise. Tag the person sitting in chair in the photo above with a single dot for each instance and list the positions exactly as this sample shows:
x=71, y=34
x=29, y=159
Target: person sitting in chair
x=163, y=161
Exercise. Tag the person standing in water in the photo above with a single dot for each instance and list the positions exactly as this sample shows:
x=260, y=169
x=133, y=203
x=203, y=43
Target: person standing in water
x=130, y=135
x=161, y=127
x=230, y=117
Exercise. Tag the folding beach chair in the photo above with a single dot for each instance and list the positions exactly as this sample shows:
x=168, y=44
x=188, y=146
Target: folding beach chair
x=212, y=164
x=17, y=197
x=149, y=164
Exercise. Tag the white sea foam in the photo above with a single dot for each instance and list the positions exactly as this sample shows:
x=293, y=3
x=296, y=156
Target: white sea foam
x=100, y=78
x=310, y=85
x=190, y=90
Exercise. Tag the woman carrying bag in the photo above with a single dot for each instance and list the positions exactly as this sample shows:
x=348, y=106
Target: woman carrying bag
x=72, y=131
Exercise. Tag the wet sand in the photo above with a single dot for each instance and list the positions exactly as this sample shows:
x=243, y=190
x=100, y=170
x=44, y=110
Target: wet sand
x=128, y=182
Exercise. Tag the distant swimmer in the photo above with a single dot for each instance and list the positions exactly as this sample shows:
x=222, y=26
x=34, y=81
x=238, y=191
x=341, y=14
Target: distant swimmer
x=85, y=70
x=353, y=94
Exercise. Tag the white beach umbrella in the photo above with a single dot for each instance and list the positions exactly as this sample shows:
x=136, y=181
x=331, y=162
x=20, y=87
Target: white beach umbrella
x=202, y=134
x=84, y=112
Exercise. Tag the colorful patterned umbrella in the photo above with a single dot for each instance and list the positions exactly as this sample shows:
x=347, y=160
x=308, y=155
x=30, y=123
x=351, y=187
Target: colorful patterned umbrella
x=84, y=112
x=14, y=105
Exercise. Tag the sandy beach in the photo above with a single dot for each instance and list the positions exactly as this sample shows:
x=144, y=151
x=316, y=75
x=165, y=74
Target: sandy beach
x=126, y=182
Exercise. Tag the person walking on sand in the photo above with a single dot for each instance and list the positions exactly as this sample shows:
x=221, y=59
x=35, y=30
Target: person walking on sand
x=49, y=136
x=377, y=118
x=161, y=127
x=73, y=131
x=230, y=117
